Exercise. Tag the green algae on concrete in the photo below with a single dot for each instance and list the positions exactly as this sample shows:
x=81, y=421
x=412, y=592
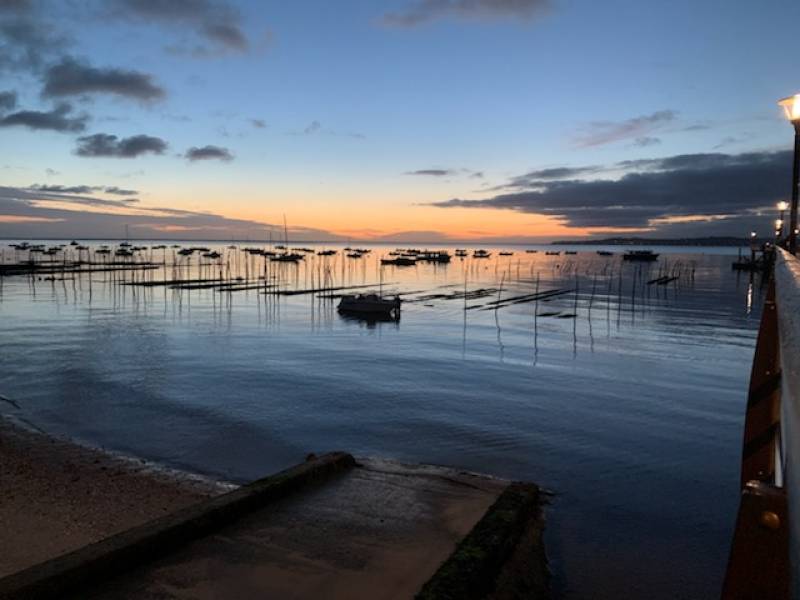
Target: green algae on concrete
x=502, y=557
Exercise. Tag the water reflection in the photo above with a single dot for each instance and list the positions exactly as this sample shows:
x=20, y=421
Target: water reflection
x=239, y=366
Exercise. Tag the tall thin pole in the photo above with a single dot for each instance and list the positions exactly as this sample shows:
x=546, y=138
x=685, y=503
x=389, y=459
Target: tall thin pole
x=795, y=178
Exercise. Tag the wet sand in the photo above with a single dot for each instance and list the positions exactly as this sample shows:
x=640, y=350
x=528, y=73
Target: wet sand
x=56, y=496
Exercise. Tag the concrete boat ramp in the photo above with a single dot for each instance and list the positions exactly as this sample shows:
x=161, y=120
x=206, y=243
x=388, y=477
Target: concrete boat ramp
x=330, y=528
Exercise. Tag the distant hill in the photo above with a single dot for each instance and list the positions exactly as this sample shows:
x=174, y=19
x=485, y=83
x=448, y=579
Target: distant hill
x=639, y=241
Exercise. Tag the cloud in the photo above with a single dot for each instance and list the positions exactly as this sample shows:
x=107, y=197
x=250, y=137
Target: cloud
x=73, y=78
x=314, y=127
x=27, y=39
x=8, y=100
x=424, y=11
x=732, y=140
x=600, y=133
x=27, y=213
x=64, y=189
x=119, y=191
x=57, y=119
x=431, y=172
x=103, y=144
x=645, y=141
x=209, y=153
x=42, y=195
x=537, y=176
x=435, y=172
x=15, y=6
x=720, y=186
x=216, y=21
x=258, y=123
x=85, y=189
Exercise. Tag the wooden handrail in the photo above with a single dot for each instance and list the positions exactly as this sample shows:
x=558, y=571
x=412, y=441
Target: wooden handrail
x=765, y=541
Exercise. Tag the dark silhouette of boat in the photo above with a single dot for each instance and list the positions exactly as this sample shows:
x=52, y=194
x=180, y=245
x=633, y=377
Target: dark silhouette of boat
x=370, y=305
x=435, y=256
x=605, y=253
x=287, y=257
x=640, y=256
x=400, y=261
x=481, y=254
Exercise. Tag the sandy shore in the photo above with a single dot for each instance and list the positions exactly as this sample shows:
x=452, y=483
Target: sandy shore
x=56, y=496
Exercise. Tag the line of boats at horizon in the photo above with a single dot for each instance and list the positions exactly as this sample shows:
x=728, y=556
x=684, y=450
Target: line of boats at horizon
x=282, y=253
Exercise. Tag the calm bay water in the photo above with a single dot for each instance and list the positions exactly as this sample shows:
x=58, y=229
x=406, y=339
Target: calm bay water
x=630, y=412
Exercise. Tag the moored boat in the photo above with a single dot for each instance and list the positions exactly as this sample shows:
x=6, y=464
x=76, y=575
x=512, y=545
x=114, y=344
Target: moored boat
x=370, y=305
x=400, y=261
x=640, y=255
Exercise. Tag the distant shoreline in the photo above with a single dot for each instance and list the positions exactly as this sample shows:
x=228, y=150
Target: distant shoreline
x=708, y=242
x=634, y=241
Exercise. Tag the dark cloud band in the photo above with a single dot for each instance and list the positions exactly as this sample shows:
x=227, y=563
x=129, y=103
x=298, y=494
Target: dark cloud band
x=209, y=153
x=72, y=78
x=58, y=119
x=654, y=189
x=106, y=145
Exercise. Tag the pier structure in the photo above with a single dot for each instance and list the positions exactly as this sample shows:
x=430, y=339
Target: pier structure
x=764, y=559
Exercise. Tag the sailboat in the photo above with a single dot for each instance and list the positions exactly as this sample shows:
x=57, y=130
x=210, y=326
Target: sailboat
x=287, y=256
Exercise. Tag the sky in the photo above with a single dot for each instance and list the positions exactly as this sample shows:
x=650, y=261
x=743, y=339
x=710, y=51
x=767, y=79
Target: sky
x=401, y=120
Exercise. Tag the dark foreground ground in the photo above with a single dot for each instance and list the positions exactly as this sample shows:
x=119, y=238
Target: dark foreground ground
x=377, y=529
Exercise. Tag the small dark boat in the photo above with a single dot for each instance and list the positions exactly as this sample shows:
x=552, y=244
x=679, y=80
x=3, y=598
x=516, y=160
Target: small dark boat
x=553, y=253
x=506, y=254
x=400, y=261
x=604, y=253
x=481, y=254
x=370, y=305
x=287, y=257
x=570, y=252
x=326, y=252
x=437, y=257
x=640, y=256
x=531, y=251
